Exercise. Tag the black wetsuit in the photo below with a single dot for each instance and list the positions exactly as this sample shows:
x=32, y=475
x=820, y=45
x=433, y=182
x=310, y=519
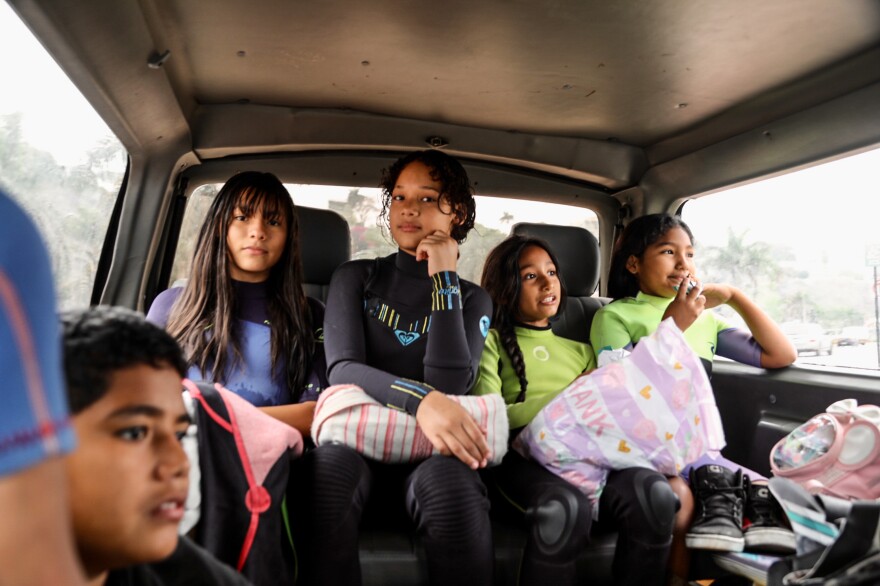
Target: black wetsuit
x=253, y=378
x=399, y=334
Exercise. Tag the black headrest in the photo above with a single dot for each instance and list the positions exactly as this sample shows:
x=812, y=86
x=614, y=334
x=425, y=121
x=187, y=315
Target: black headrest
x=577, y=251
x=325, y=243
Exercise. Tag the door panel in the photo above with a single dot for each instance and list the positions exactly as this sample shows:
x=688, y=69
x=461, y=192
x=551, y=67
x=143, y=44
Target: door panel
x=760, y=407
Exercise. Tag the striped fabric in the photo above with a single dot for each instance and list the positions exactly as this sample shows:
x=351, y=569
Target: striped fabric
x=388, y=316
x=347, y=415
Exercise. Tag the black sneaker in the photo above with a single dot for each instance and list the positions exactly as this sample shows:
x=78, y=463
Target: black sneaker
x=764, y=525
x=718, y=496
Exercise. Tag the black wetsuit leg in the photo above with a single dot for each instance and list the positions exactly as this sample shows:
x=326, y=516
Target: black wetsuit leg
x=447, y=501
x=558, y=516
x=641, y=505
x=329, y=488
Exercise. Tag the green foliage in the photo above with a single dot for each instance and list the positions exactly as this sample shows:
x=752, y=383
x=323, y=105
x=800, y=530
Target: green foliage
x=368, y=240
x=742, y=264
x=760, y=270
x=473, y=252
x=71, y=206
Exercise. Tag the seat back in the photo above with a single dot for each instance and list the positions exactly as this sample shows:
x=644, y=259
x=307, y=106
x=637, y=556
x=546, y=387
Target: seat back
x=325, y=243
x=577, y=251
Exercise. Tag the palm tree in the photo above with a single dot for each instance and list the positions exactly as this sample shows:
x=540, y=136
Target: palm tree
x=740, y=263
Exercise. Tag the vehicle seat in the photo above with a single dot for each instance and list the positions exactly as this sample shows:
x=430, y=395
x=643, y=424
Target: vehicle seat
x=325, y=243
x=577, y=251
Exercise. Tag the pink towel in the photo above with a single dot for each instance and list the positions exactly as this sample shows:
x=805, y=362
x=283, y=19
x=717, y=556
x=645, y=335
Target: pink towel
x=347, y=415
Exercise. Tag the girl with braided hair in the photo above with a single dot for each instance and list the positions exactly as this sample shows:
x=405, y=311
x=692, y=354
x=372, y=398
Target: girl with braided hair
x=522, y=278
x=528, y=365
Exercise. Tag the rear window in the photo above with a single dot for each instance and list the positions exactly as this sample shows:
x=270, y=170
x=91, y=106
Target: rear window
x=361, y=206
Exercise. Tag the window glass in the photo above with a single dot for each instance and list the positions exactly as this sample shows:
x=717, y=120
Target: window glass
x=806, y=247
x=361, y=206
x=58, y=159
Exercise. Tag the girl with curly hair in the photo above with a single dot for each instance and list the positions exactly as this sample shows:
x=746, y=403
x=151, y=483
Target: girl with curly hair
x=408, y=331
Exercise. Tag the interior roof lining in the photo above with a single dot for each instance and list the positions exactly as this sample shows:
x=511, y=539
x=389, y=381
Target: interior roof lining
x=363, y=169
x=686, y=54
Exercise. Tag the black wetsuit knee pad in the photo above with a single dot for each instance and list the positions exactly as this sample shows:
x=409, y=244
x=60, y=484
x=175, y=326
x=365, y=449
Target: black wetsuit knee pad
x=559, y=521
x=658, y=501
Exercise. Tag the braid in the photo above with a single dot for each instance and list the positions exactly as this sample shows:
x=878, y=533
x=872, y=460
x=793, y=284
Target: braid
x=501, y=279
x=511, y=346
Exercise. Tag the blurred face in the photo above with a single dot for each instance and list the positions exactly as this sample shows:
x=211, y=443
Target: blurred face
x=128, y=475
x=664, y=264
x=255, y=245
x=417, y=209
x=539, y=287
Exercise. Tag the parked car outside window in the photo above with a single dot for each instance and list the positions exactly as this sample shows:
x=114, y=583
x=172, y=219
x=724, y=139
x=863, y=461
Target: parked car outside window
x=853, y=336
x=809, y=338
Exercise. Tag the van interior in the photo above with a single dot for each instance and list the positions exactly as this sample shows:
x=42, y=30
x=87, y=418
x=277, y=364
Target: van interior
x=623, y=108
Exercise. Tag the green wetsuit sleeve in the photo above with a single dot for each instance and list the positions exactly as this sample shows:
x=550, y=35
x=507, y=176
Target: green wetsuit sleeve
x=490, y=380
x=609, y=331
x=589, y=357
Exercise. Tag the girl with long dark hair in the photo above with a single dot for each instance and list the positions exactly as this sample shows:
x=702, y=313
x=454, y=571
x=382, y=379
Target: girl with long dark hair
x=243, y=318
x=653, y=277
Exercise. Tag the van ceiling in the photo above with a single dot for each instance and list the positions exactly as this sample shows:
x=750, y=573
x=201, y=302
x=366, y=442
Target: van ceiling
x=595, y=90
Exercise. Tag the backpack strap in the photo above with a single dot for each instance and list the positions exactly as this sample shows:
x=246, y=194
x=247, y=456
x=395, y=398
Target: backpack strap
x=257, y=500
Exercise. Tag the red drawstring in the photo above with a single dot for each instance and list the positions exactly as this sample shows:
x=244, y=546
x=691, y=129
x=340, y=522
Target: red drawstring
x=257, y=500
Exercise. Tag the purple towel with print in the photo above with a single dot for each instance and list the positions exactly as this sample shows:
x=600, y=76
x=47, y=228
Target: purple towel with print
x=653, y=408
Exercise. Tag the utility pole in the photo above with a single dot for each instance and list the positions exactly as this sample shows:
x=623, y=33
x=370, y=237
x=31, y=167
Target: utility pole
x=876, y=318
x=872, y=259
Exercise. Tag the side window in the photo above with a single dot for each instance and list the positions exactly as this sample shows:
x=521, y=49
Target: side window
x=806, y=247
x=58, y=159
x=361, y=207
x=196, y=208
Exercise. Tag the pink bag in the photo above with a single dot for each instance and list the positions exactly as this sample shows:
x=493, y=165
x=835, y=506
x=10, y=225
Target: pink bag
x=834, y=453
x=346, y=414
x=654, y=408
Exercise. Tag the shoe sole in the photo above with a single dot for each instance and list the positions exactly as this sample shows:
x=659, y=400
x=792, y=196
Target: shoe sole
x=748, y=565
x=714, y=542
x=770, y=540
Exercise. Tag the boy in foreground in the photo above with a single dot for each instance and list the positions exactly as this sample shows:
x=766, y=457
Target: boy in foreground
x=128, y=478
